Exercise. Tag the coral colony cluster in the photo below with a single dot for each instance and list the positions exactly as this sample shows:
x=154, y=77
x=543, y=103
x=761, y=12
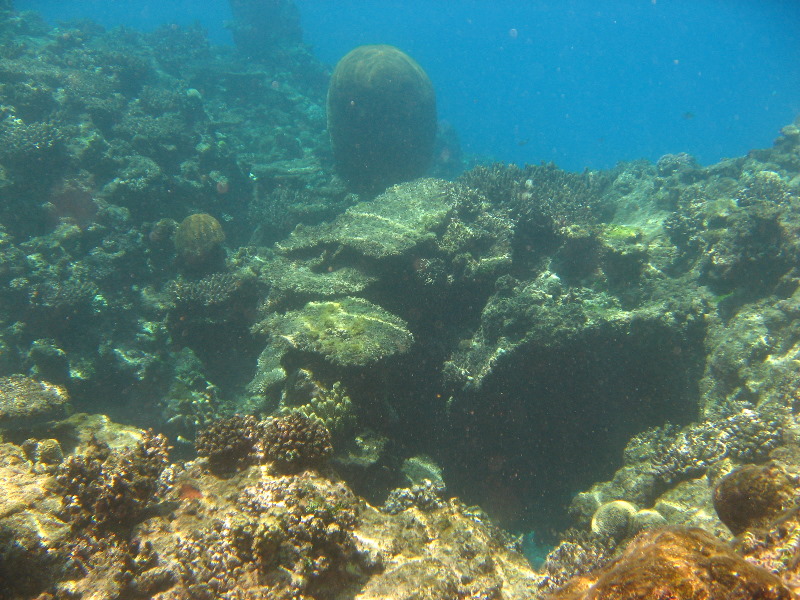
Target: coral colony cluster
x=259, y=340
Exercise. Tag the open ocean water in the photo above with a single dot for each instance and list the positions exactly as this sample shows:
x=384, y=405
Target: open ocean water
x=578, y=83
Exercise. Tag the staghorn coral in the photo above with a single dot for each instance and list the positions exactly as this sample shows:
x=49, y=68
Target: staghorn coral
x=111, y=491
x=542, y=197
x=212, y=291
x=295, y=441
x=23, y=145
x=68, y=294
x=230, y=443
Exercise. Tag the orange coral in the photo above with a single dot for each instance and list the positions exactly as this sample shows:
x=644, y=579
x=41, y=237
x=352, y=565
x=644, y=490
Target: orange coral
x=676, y=564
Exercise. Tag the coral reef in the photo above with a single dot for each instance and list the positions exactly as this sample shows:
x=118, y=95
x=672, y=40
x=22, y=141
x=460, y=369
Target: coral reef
x=381, y=117
x=26, y=402
x=509, y=331
x=676, y=564
x=295, y=441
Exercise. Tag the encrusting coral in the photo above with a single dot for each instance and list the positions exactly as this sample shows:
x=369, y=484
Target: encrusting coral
x=676, y=564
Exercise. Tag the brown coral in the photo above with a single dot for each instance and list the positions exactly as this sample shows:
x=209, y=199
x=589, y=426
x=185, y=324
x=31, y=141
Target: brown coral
x=676, y=564
x=111, y=491
x=296, y=441
x=752, y=496
x=198, y=242
x=229, y=443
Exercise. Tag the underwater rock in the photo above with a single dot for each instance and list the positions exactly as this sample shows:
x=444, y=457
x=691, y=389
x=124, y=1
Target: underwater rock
x=421, y=579
x=346, y=332
x=49, y=361
x=381, y=117
x=30, y=528
x=26, y=402
x=680, y=564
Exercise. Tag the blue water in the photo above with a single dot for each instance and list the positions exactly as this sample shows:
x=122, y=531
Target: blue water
x=577, y=82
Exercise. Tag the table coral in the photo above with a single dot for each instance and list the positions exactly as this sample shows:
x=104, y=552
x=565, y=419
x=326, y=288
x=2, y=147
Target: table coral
x=347, y=332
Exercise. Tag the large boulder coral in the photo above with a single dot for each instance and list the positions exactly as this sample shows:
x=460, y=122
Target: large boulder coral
x=381, y=117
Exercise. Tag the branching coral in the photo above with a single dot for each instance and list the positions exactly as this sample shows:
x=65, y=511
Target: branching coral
x=229, y=443
x=295, y=441
x=111, y=491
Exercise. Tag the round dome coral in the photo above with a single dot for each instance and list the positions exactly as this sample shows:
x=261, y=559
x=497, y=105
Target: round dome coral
x=381, y=118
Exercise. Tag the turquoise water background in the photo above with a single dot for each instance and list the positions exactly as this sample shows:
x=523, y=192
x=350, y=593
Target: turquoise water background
x=580, y=83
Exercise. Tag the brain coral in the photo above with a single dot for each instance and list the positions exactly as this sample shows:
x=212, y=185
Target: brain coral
x=198, y=241
x=381, y=117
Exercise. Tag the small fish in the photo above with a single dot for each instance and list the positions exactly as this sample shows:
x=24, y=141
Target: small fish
x=523, y=142
x=688, y=116
x=189, y=492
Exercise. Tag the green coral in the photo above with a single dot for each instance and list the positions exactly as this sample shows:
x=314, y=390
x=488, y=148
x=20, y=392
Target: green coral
x=392, y=224
x=331, y=405
x=347, y=332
